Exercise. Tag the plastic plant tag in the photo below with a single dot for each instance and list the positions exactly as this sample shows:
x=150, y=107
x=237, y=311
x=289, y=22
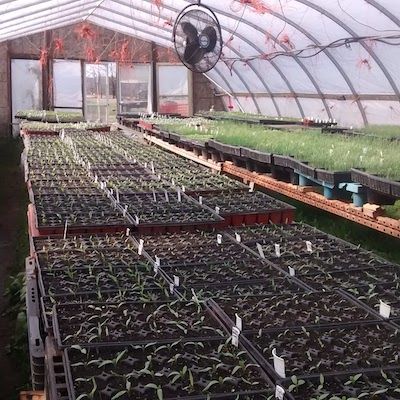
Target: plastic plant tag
x=145, y=164
x=158, y=261
x=238, y=237
x=154, y=196
x=201, y=199
x=171, y=288
x=166, y=197
x=183, y=189
x=278, y=250
x=219, y=238
x=251, y=187
x=292, y=271
x=176, y=281
x=65, y=229
x=140, y=249
x=279, y=393
x=155, y=268
x=279, y=364
x=239, y=322
x=127, y=232
x=117, y=195
x=152, y=167
x=235, y=336
x=384, y=309
x=179, y=196
x=260, y=250
x=159, y=177
x=217, y=209
x=309, y=246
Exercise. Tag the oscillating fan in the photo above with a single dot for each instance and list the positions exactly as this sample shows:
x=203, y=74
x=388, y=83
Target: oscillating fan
x=197, y=38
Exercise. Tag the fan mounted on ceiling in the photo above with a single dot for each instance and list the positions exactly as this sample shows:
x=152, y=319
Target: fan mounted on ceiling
x=198, y=38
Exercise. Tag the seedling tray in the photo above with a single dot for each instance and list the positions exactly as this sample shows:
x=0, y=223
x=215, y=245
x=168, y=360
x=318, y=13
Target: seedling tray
x=87, y=279
x=293, y=310
x=330, y=262
x=231, y=271
x=372, y=295
x=243, y=207
x=352, y=278
x=369, y=384
x=167, y=211
x=105, y=323
x=197, y=365
x=227, y=290
x=107, y=296
x=310, y=351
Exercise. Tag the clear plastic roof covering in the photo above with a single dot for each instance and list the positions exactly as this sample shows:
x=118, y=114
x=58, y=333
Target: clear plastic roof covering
x=334, y=59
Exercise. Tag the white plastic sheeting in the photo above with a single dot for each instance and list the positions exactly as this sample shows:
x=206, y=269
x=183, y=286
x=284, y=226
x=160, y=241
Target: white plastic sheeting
x=356, y=84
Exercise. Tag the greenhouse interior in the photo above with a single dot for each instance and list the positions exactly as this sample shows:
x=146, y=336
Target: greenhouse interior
x=194, y=194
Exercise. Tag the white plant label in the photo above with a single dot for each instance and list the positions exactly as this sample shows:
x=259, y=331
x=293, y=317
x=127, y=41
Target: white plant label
x=155, y=269
x=260, y=250
x=238, y=237
x=235, y=336
x=278, y=250
x=145, y=164
x=154, y=196
x=292, y=271
x=140, y=249
x=159, y=177
x=219, y=238
x=279, y=393
x=384, y=309
x=158, y=261
x=127, y=232
x=309, y=246
x=217, y=209
x=117, y=195
x=152, y=167
x=183, y=189
x=238, y=322
x=65, y=229
x=96, y=178
x=279, y=364
x=201, y=199
x=176, y=281
x=125, y=211
x=171, y=288
x=179, y=196
x=251, y=187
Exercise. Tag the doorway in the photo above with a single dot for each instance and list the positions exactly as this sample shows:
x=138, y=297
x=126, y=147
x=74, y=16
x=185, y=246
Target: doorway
x=101, y=92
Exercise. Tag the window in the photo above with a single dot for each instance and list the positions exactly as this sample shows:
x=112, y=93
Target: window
x=67, y=81
x=26, y=95
x=173, y=89
x=135, y=88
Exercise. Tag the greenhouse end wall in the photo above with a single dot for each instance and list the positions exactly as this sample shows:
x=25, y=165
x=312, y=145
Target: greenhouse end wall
x=105, y=45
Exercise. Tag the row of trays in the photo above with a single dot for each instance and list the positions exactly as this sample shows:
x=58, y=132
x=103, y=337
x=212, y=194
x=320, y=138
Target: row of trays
x=229, y=152
x=329, y=336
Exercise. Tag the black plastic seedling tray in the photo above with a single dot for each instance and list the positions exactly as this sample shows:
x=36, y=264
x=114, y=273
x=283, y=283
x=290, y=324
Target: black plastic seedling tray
x=102, y=324
x=192, y=358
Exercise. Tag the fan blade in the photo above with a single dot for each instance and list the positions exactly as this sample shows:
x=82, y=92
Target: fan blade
x=211, y=33
x=193, y=53
x=190, y=31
